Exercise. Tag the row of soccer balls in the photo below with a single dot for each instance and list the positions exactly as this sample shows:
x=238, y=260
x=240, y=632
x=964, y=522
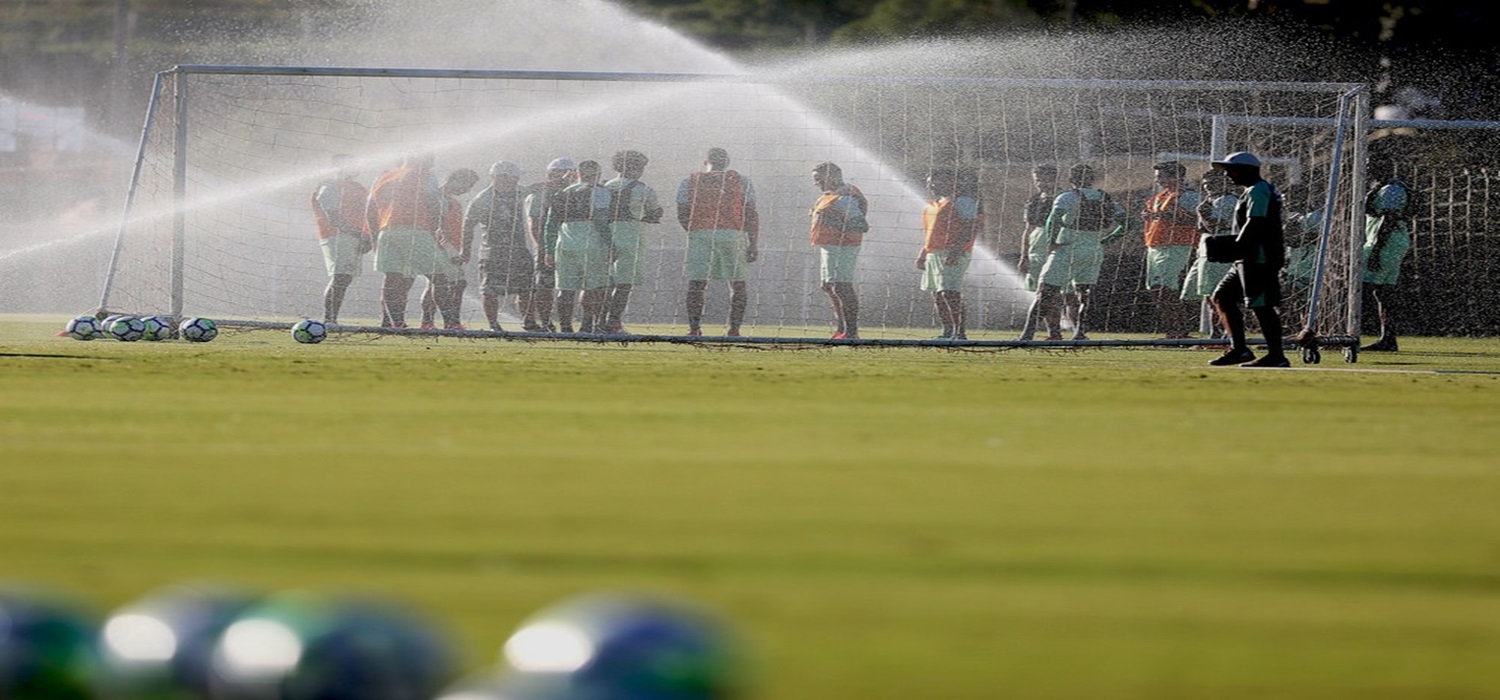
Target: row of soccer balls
x=195, y=329
x=210, y=642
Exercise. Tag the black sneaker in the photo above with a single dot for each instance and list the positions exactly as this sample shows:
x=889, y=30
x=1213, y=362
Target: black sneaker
x=1386, y=344
x=1269, y=361
x=1233, y=357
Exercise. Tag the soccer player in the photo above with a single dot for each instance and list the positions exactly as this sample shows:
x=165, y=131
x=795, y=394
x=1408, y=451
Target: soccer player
x=338, y=205
x=951, y=221
x=632, y=205
x=1215, y=217
x=838, y=228
x=716, y=206
x=1082, y=220
x=404, y=209
x=1171, y=232
x=538, y=203
x=446, y=284
x=578, y=222
x=506, y=267
x=1389, y=213
x=1044, y=182
x=1255, y=278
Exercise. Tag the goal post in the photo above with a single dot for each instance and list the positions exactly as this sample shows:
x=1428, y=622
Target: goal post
x=218, y=223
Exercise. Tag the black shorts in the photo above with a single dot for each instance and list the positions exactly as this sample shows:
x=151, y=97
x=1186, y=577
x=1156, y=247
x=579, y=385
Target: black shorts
x=1252, y=284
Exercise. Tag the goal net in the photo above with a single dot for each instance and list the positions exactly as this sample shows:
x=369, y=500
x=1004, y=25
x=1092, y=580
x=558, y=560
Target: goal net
x=219, y=222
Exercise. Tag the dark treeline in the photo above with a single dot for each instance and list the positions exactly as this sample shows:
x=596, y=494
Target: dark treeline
x=100, y=54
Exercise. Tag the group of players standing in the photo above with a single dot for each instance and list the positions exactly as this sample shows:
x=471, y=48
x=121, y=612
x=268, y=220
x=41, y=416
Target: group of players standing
x=571, y=243
x=568, y=243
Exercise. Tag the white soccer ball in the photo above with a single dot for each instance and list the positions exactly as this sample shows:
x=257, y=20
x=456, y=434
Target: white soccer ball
x=198, y=330
x=83, y=328
x=158, y=328
x=309, y=331
x=126, y=328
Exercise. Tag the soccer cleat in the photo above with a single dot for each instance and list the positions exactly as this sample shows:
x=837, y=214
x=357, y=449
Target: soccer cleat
x=1055, y=336
x=732, y=333
x=695, y=331
x=428, y=326
x=1080, y=336
x=960, y=335
x=1384, y=344
x=532, y=327
x=838, y=336
x=615, y=328
x=495, y=327
x=1269, y=361
x=1232, y=357
x=454, y=327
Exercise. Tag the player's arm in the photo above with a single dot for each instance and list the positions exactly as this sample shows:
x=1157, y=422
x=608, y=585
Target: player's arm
x=1119, y=229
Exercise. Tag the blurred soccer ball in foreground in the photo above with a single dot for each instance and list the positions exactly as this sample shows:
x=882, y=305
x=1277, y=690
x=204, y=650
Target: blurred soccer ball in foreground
x=83, y=328
x=296, y=646
x=198, y=330
x=624, y=647
x=309, y=331
x=46, y=647
x=161, y=645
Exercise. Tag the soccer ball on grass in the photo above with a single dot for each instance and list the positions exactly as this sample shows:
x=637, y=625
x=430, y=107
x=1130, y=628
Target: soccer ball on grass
x=83, y=328
x=126, y=328
x=158, y=328
x=309, y=331
x=198, y=330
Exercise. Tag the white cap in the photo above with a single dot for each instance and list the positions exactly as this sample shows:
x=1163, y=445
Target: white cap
x=1243, y=158
x=563, y=163
x=505, y=167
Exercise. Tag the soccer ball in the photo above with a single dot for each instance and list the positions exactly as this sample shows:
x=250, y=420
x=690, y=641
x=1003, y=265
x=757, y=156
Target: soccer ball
x=161, y=646
x=127, y=328
x=198, y=330
x=83, y=328
x=46, y=646
x=158, y=328
x=628, y=646
x=300, y=646
x=309, y=331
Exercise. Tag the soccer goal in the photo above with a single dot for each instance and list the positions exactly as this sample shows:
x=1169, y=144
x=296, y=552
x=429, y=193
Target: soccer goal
x=218, y=221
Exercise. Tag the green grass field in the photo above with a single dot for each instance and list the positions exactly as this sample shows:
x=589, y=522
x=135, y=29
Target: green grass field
x=905, y=523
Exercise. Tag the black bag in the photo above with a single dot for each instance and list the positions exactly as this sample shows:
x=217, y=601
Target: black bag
x=1223, y=248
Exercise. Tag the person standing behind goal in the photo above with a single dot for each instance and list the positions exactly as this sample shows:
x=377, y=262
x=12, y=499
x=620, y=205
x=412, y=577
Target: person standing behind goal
x=538, y=204
x=505, y=264
x=1171, y=220
x=1075, y=233
x=1215, y=218
x=716, y=206
x=951, y=221
x=1389, y=209
x=339, y=208
x=632, y=205
x=404, y=207
x=579, y=221
x=838, y=228
x=445, y=286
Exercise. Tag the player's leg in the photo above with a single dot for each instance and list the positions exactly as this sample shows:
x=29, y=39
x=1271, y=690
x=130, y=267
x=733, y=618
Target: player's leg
x=393, y=293
x=429, y=302
x=739, y=300
x=619, y=300
x=1378, y=295
x=452, y=302
x=333, y=296
x=566, y=299
x=838, y=309
x=1085, y=294
x=955, y=301
x=1227, y=297
x=849, y=307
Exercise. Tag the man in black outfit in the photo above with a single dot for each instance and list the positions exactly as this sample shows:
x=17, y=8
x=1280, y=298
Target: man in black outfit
x=1258, y=253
